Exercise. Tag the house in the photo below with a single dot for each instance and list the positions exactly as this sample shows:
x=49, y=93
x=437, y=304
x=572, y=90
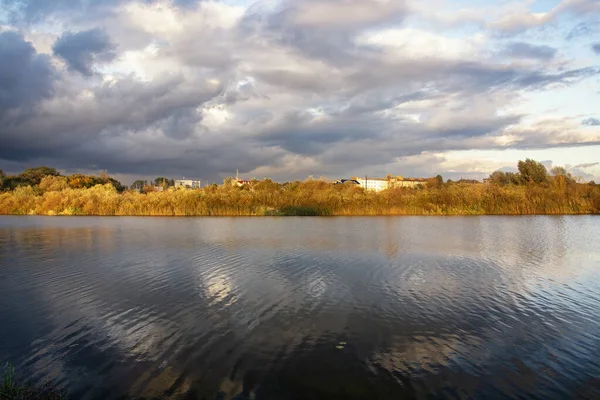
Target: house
x=401, y=181
x=240, y=182
x=187, y=183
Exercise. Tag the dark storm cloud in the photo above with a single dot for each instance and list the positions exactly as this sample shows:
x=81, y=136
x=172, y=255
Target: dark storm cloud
x=81, y=50
x=596, y=48
x=297, y=134
x=116, y=110
x=25, y=76
x=310, y=135
x=592, y=122
x=527, y=50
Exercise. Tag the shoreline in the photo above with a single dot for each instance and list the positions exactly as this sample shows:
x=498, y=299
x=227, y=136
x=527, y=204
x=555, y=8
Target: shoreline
x=301, y=216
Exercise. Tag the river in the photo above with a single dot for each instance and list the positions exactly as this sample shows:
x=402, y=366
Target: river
x=304, y=308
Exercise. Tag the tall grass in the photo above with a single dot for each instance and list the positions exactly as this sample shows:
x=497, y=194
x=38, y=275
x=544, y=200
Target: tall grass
x=10, y=389
x=310, y=197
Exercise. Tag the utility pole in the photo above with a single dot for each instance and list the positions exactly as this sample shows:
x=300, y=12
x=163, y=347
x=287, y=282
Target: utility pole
x=366, y=186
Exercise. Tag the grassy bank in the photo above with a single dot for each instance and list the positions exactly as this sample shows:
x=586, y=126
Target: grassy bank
x=308, y=198
x=10, y=389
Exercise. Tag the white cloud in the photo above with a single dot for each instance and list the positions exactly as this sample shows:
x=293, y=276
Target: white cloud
x=344, y=13
x=416, y=43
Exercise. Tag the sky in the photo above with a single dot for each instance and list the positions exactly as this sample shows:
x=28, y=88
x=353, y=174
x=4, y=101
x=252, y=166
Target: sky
x=292, y=88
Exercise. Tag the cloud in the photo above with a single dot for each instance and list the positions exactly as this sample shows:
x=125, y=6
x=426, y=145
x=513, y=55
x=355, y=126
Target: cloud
x=36, y=10
x=25, y=76
x=32, y=11
x=596, y=48
x=579, y=173
x=582, y=29
x=586, y=165
x=518, y=22
x=81, y=50
x=349, y=14
x=592, y=122
x=305, y=87
x=510, y=18
x=526, y=50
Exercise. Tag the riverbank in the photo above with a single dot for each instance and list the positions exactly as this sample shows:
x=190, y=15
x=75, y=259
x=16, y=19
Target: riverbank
x=308, y=198
x=12, y=389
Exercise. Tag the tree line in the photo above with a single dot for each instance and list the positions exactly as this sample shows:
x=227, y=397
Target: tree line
x=44, y=178
x=529, y=172
x=530, y=189
x=161, y=181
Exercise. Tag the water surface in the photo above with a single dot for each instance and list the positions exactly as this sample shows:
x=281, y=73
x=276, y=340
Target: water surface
x=309, y=308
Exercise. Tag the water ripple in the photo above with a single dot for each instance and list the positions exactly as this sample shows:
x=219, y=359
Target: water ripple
x=486, y=307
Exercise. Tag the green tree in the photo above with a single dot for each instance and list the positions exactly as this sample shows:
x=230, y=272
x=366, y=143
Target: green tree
x=33, y=176
x=532, y=171
x=163, y=182
x=557, y=172
x=116, y=184
x=139, y=184
x=499, y=178
x=514, y=178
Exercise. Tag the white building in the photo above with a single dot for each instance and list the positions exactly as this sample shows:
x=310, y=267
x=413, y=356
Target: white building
x=380, y=184
x=400, y=181
x=374, y=184
x=187, y=183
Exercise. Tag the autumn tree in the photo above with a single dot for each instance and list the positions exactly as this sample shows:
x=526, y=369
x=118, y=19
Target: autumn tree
x=435, y=182
x=80, y=181
x=51, y=183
